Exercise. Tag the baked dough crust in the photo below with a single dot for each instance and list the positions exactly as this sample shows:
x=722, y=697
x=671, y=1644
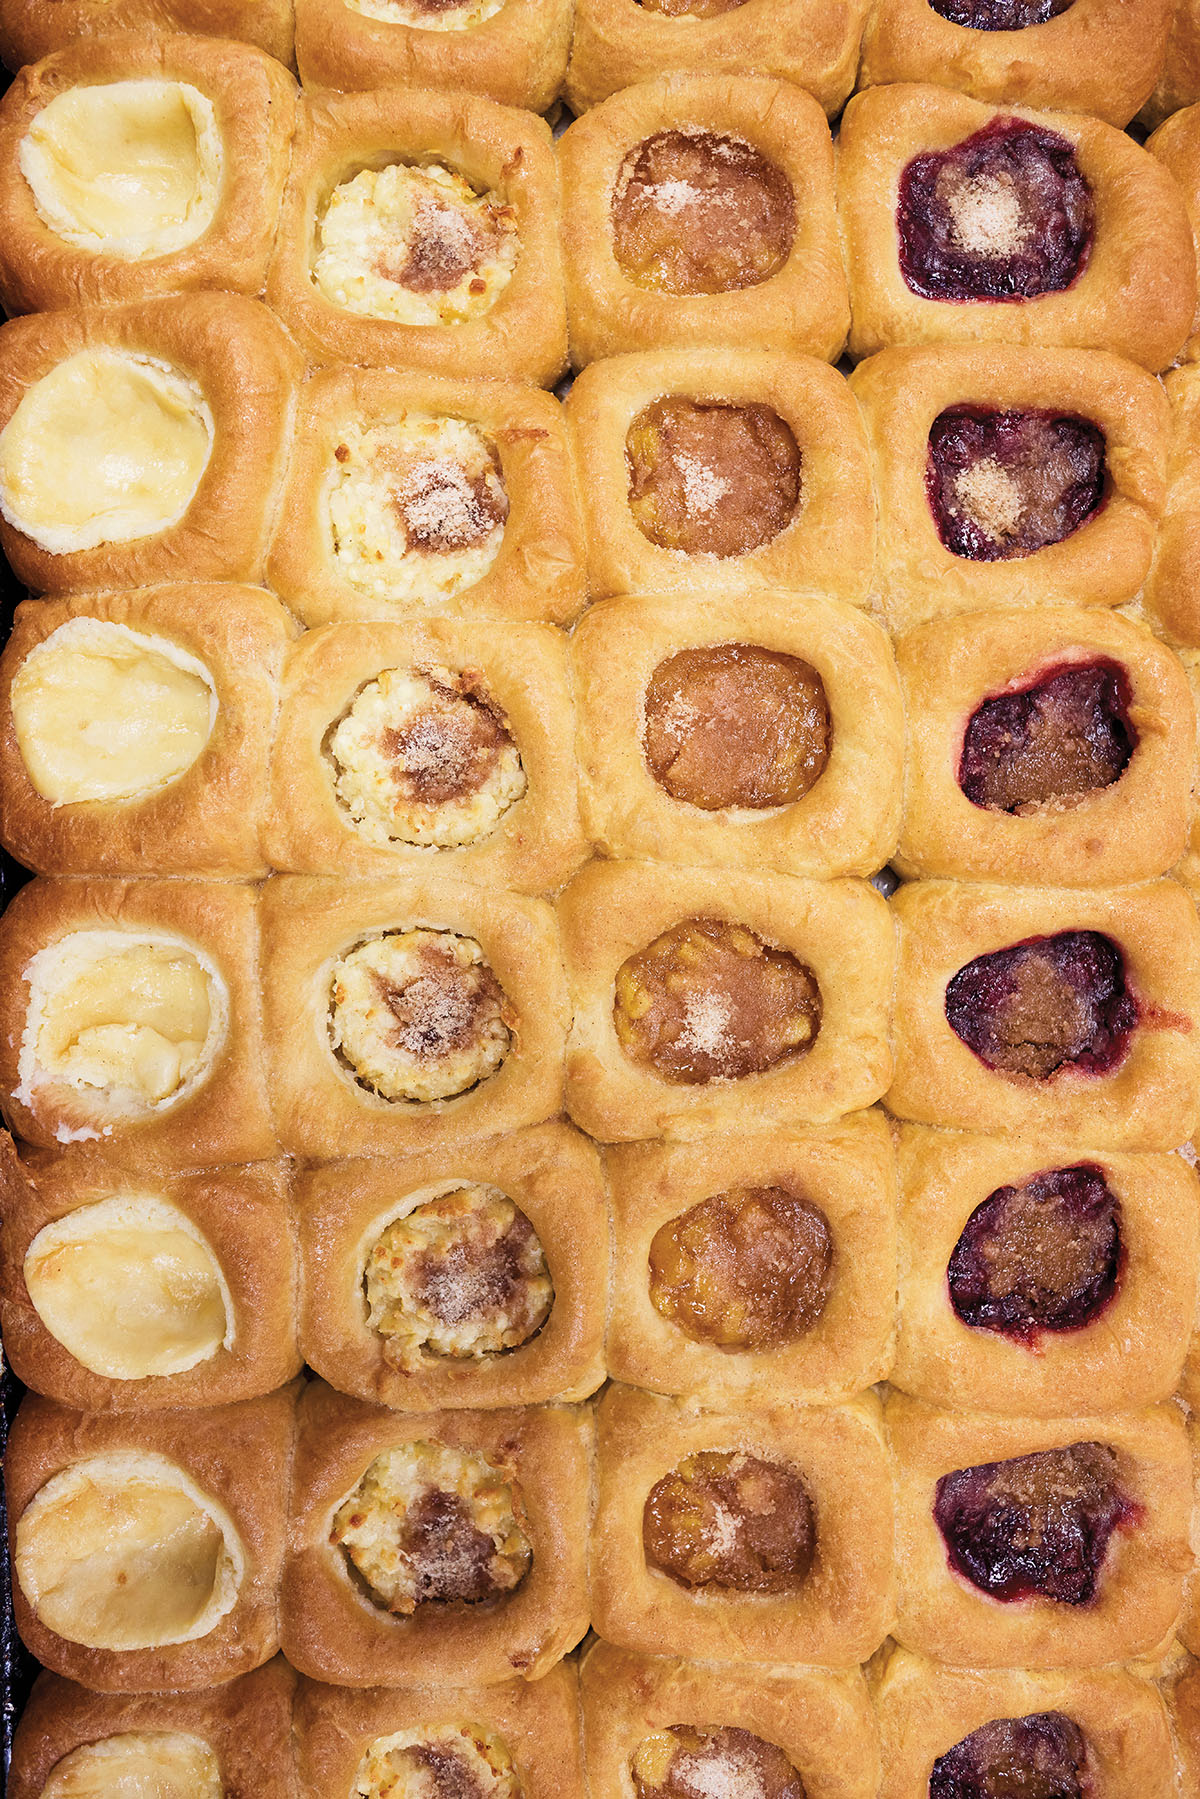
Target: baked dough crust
x=333, y=1631
x=1135, y=296
x=846, y=824
x=848, y=1172
x=844, y=1608
x=30, y=29
x=1171, y=589
x=321, y=1110
x=1147, y=1102
x=827, y=545
x=1176, y=143
x=247, y=369
x=537, y=572
x=803, y=307
x=1129, y=1357
x=236, y=1454
x=1179, y=79
x=903, y=392
x=553, y=1175
x=254, y=102
x=1099, y=56
x=523, y=336
x=1140, y=1591
x=1131, y=831
x=820, y=1718
x=1184, y=1698
x=842, y=930
x=209, y=819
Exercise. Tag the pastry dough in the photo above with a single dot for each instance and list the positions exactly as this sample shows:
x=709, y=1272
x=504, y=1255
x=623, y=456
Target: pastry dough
x=733, y=1305
x=1093, y=56
x=1185, y=1713
x=466, y=192
x=1145, y=1099
x=1126, y=1354
x=513, y=51
x=1176, y=143
x=906, y=394
x=70, y=1743
x=757, y=458
x=820, y=1721
x=530, y=1468
x=497, y=1301
x=835, y=1615
x=486, y=965
x=1139, y=1588
x=1179, y=80
x=142, y=443
x=179, y=786
x=772, y=281
x=840, y=935
x=490, y=524
x=1135, y=289
x=154, y=1543
x=441, y=743
x=1129, y=830
x=1171, y=589
x=526, y=1734
x=843, y=823
x=131, y=167
x=131, y=1021
x=129, y=1292
x=33, y=28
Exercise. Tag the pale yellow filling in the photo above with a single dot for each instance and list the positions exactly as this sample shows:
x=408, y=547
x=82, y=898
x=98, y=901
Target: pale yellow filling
x=106, y=713
x=398, y=1766
x=130, y=1288
x=158, y=1764
x=108, y=447
x=127, y=168
x=124, y=1551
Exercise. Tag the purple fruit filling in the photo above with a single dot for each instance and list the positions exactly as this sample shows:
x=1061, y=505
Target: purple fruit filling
x=999, y=15
x=1048, y=745
x=1004, y=215
x=1044, y=1005
x=1005, y=484
x=1037, y=1526
x=1041, y=1756
x=1044, y=1256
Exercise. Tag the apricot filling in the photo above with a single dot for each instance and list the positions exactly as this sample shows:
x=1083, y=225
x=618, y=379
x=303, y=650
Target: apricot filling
x=705, y=1761
x=708, y=478
x=727, y=1519
x=448, y=1761
x=1006, y=484
x=1048, y=745
x=1041, y=1756
x=1046, y=1005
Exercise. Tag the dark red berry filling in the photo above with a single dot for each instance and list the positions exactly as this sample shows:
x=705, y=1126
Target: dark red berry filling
x=1035, y=1526
x=999, y=15
x=1041, y=1756
x=1044, y=1256
x=1006, y=484
x=1044, y=1005
x=1004, y=215
x=1051, y=743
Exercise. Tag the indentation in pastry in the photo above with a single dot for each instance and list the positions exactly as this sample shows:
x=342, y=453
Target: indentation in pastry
x=103, y=712
x=425, y=756
x=736, y=725
x=429, y=15
x=727, y=1519
x=1047, y=745
x=419, y=1014
x=150, y=1764
x=691, y=9
x=705, y=1761
x=708, y=478
x=747, y=1269
x=1006, y=484
x=108, y=447
x=428, y=1524
x=1000, y=15
x=1004, y=215
x=127, y=168
x=700, y=212
x=708, y=1000
x=459, y=1273
x=125, y=1551
x=447, y=1761
x=130, y=1287
x=1041, y=1756
x=1049, y=1004
x=416, y=245
x=1034, y=1526
x=416, y=508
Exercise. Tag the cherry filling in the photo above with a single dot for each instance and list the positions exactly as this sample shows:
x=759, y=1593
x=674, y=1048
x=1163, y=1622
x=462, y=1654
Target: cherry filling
x=1044, y=1005
x=1006, y=484
x=1037, y=1526
x=1004, y=215
x=999, y=15
x=1041, y=1756
x=1044, y=1256
x=1051, y=743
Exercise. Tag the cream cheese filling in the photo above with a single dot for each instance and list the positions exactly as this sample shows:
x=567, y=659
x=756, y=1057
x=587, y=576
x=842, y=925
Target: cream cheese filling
x=153, y=1764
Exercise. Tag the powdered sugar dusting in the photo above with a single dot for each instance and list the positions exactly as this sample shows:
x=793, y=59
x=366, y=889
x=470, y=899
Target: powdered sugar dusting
x=987, y=215
x=438, y=502
x=717, y=1776
x=702, y=486
x=706, y=1024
